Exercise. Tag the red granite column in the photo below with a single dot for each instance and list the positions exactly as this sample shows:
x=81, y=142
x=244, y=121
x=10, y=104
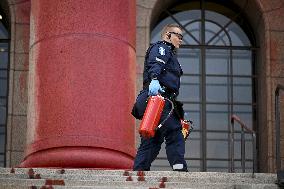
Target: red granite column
x=81, y=84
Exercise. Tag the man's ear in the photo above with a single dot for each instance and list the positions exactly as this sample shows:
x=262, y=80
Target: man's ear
x=168, y=35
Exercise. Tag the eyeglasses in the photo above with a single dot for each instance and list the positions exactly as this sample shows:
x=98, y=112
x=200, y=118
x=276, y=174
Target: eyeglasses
x=180, y=36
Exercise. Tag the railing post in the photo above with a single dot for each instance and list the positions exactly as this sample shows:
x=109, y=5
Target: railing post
x=254, y=154
x=243, y=149
x=277, y=129
x=280, y=173
x=232, y=163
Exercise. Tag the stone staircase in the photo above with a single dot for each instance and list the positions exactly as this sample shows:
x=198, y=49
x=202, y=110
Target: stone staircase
x=39, y=178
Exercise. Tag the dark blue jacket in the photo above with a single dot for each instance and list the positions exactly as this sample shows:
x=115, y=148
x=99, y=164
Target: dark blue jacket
x=161, y=63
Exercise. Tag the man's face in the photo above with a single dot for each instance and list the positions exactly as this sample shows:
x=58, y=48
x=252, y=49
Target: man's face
x=176, y=37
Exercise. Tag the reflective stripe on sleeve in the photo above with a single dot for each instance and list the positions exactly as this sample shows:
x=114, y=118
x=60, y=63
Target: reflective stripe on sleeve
x=160, y=60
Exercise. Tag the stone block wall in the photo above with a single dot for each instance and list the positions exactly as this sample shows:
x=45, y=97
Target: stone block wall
x=273, y=16
x=18, y=86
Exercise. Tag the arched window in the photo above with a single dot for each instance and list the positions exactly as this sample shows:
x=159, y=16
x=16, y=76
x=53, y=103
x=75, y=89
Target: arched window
x=4, y=67
x=217, y=57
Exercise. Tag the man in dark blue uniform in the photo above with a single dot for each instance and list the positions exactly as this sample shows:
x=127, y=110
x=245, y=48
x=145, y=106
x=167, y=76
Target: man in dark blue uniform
x=162, y=73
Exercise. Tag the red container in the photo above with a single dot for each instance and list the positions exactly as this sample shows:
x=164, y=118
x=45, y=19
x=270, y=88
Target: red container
x=186, y=126
x=152, y=116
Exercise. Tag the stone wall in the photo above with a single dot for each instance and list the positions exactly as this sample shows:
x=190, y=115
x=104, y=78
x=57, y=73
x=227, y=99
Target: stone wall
x=18, y=87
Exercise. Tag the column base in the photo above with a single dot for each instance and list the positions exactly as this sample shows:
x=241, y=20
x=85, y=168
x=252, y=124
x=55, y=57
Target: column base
x=79, y=157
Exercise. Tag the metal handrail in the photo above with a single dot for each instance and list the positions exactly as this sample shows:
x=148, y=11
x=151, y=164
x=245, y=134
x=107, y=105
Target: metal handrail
x=277, y=125
x=232, y=158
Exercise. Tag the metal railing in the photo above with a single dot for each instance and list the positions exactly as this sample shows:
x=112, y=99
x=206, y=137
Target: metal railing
x=243, y=155
x=277, y=126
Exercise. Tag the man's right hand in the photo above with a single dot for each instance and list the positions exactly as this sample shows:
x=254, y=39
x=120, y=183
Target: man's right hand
x=155, y=88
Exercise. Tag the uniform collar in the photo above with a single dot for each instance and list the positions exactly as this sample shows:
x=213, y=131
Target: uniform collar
x=172, y=47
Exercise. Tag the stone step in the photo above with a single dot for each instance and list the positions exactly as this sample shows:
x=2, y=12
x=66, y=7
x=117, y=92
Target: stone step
x=124, y=179
x=121, y=175
x=166, y=186
x=164, y=177
x=62, y=171
x=44, y=171
x=69, y=187
x=117, y=172
x=67, y=182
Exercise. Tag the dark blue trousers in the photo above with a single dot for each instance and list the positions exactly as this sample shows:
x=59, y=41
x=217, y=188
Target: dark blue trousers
x=171, y=133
